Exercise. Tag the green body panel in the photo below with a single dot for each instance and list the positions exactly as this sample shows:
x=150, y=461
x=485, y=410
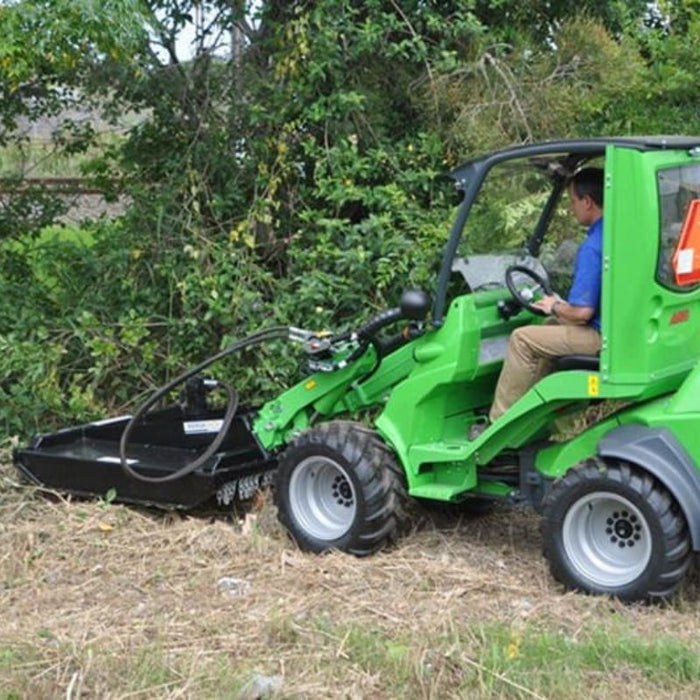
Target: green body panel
x=679, y=412
x=431, y=390
x=687, y=399
x=640, y=343
x=428, y=414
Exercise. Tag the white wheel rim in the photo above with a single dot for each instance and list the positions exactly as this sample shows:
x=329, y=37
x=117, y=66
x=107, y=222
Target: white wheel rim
x=607, y=539
x=322, y=498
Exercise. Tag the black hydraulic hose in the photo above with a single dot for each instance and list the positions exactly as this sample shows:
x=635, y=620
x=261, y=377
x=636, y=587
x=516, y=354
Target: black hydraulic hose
x=273, y=333
x=231, y=408
x=374, y=342
x=377, y=322
x=365, y=334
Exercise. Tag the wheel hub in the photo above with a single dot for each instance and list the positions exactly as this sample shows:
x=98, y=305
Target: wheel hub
x=342, y=491
x=624, y=529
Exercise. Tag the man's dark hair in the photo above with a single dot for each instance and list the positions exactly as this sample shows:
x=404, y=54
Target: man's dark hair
x=588, y=181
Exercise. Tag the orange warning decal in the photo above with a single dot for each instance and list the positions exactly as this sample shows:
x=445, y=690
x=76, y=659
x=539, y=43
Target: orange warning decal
x=686, y=257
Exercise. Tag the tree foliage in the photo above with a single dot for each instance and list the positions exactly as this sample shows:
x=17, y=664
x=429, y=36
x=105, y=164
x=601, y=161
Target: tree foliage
x=282, y=169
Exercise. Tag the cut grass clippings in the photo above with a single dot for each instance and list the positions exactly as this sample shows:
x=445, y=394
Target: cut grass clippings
x=104, y=600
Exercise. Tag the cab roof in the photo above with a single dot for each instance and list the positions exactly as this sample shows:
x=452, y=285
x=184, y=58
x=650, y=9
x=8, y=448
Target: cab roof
x=585, y=148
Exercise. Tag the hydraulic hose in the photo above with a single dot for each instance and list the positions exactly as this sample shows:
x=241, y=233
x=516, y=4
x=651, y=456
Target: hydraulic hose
x=379, y=321
x=273, y=333
x=365, y=334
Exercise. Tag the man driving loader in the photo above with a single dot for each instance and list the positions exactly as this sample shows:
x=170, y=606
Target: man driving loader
x=573, y=326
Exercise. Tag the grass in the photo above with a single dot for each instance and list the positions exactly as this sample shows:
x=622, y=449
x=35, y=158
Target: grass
x=101, y=600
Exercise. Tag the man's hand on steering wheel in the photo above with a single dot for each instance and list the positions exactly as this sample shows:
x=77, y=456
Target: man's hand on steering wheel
x=546, y=304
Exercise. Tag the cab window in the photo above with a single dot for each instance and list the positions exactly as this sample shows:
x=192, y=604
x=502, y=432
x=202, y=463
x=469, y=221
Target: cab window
x=678, y=188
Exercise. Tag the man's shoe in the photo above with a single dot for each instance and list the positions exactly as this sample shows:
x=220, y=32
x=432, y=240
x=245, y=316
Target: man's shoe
x=476, y=430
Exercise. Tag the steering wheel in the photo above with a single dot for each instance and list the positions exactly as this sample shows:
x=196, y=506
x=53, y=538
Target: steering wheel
x=525, y=296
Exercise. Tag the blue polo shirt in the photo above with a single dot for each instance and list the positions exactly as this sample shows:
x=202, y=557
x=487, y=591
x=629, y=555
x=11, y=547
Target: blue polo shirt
x=588, y=272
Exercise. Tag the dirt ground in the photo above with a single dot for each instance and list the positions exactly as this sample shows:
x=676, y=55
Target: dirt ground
x=105, y=600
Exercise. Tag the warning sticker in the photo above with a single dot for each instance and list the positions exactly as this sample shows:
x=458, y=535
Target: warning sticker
x=593, y=387
x=201, y=427
x=686, y=261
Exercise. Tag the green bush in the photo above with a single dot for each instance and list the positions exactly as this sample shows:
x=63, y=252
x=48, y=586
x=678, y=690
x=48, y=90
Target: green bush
x=293, y=183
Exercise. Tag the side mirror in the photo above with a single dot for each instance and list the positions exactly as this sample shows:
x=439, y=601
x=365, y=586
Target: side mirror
x=415, y=304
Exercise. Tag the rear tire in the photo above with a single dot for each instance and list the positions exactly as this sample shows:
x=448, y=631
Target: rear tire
x=612, y=528
x=338, y=486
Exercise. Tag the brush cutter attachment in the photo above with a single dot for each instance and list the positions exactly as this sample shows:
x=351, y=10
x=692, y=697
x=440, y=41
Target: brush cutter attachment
x=176, y=457
x=86, y=459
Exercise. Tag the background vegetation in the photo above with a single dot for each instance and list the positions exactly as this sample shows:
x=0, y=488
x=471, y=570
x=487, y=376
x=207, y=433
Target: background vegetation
x=282, y=169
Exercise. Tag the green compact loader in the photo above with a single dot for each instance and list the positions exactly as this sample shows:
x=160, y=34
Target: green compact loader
x=605, y=447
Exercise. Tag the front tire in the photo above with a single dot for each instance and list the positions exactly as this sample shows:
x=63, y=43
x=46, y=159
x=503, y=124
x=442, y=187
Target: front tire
x=339, y=487
x=612, y=528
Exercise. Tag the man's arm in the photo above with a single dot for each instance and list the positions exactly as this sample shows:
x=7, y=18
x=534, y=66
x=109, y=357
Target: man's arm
x=569, y=313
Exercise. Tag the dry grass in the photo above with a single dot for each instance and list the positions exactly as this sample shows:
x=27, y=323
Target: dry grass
x=109, y=601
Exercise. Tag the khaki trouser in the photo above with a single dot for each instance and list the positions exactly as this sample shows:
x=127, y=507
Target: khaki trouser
x=531, y=352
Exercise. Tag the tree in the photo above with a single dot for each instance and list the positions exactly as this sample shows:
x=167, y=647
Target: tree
x=284, y=168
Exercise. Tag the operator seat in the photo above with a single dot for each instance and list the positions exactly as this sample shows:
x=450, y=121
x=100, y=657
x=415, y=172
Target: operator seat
x=586, y=362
